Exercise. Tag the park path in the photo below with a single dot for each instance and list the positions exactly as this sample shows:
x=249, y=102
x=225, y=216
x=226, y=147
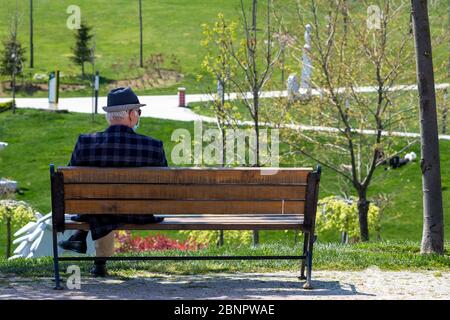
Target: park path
x=166, y=107
x=336, y=285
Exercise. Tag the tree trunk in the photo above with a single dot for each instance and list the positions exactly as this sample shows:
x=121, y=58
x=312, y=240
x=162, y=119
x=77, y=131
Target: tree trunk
x=444, y=112
x=255, y=238
x=13, y=87
x=141, y=59
x=31, y=36
x=363, y=210
x=220, y=240
x=433, y=219
x=8, y=240
x=255, y=95
x=82, y=70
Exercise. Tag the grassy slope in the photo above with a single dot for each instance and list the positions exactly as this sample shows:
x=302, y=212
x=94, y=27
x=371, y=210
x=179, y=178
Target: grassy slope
x=170, y=27
x=39, y=138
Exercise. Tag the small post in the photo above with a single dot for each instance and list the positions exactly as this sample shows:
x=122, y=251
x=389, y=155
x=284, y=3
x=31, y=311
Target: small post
x=182, y=97
x=96, y=88
x=54, y=235
x=53, y=88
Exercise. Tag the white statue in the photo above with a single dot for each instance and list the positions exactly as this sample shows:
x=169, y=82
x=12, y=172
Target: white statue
x=35, y=239
x=292, y=86
x=305, y=82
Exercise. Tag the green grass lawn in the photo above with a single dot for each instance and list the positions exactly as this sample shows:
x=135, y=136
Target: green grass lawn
x=38, y=138
x=170, y=27
x=384, y=255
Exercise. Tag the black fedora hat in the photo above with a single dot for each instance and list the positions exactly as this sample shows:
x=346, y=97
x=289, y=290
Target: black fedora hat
x=122, y=99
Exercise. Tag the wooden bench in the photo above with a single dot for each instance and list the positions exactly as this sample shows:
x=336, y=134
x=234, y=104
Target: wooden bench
x=190, y=199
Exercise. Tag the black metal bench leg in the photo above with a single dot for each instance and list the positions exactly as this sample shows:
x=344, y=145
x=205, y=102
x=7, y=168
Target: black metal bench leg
x=305, y=250
x=308, y=284
x=56, y=261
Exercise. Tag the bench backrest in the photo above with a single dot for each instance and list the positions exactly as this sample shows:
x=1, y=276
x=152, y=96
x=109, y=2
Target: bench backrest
x=154, y=190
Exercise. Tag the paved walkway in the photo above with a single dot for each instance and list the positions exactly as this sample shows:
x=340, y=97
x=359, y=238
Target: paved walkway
x=166, y=107
x=337, y=285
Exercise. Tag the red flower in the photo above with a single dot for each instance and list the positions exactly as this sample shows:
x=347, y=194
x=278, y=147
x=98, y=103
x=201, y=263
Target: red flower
x=128, y=243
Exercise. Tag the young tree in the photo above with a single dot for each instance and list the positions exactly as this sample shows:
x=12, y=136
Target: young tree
x=433, y=217
x=348, y=52
x=220, y=66
x=12, y=57
x=82, y=51
x=255, y=61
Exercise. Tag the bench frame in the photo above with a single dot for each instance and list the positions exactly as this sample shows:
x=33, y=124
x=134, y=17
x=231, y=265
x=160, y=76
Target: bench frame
x=308, y=229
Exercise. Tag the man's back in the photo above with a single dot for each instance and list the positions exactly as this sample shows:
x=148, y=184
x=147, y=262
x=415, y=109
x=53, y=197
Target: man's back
x=118, y=146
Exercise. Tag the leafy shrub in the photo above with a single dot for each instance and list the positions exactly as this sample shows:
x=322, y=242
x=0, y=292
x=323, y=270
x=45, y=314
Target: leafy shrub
x=212, y=237
x=338, y=214
x=14, y=214
x=4, y=106
x=127, y=243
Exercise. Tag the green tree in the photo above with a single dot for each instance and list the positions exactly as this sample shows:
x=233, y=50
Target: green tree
x=82, y=52
x=12, y=57
x=346, y=52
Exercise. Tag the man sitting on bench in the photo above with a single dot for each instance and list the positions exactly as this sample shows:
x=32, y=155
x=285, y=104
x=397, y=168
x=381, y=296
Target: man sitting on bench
x=117, y=146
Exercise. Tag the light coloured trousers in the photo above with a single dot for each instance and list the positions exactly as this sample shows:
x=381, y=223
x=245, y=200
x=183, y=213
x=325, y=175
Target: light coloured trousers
x=104, y=247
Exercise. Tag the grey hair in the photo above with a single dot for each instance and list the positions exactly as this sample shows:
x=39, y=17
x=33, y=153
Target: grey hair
x=119, y=115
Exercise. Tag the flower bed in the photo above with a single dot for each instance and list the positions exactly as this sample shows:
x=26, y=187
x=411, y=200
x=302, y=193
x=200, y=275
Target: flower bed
x=125, y=242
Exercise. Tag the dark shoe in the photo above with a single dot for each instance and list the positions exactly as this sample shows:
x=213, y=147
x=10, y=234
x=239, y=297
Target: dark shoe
x=80, y=218
x=72, y=245
x=157, y=219
x=99, y=270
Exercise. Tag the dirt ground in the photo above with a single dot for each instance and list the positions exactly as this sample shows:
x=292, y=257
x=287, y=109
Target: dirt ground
x=368, y=284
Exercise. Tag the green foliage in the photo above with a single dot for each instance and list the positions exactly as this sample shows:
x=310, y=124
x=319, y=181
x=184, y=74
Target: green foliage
x=217, y=40
x=220, y=65
x=18, y=212
x=12, y=55
x=338, y=214
x=212, y=237
x=5, y=105
x=82, y=52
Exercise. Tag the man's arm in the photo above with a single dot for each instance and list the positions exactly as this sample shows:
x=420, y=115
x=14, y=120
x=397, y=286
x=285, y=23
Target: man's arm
x=75, y=158
x=163, y=156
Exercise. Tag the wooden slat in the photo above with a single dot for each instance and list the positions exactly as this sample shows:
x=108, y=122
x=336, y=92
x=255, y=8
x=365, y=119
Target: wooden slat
x=283, y=176
x=197, y=222
x=183, y=192
x=183, y=207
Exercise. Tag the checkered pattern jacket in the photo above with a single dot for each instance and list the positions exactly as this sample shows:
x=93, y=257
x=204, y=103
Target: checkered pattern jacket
x=117, y=146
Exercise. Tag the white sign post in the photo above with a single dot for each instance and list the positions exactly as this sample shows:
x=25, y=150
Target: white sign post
x=53, y=89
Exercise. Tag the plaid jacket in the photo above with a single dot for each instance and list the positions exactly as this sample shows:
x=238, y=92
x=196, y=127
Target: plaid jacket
x=117, y=146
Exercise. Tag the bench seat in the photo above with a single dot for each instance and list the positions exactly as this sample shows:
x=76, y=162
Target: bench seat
x=212, y=222
x=189, y=199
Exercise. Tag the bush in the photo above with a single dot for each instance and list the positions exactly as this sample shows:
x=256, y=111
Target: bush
x=212, y=237
x=14, y=213
x=5, y=106
x=339, y=214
